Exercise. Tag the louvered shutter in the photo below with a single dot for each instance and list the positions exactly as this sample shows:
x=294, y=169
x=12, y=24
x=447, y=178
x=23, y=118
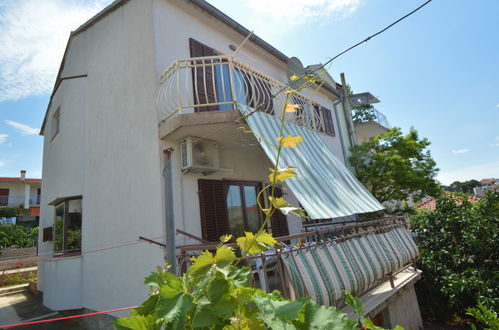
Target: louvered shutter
x=214, y=217
x=327, y=117
x=278, y=221
x=203, y=77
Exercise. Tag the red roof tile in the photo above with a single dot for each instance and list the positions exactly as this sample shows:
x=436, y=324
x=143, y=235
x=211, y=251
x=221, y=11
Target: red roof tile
x=7, y=179
x=34, y=211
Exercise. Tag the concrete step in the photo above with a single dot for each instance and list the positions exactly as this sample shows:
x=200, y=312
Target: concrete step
x=13, y=289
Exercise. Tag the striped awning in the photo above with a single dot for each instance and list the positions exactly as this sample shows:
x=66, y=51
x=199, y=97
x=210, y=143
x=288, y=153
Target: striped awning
x=324, y=186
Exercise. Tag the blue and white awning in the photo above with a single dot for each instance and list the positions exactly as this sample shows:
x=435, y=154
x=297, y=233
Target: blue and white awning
x=324, y=186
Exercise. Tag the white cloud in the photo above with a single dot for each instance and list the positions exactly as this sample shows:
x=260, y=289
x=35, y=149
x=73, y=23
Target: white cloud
x=3, y=138
x=23, y=129
x=292, y=12
x=477, y=172
x=275, y=17
x=2, y=163
x=33, y=35
x=460, y=151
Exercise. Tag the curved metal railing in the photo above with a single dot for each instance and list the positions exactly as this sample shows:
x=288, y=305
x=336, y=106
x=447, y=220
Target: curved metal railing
x=217, y=83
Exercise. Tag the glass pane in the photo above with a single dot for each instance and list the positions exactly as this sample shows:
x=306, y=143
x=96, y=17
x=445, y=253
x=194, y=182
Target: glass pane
x=223, y=90
x=254, y=220
x=58, y=228
x=235, y=211
x=74, y=226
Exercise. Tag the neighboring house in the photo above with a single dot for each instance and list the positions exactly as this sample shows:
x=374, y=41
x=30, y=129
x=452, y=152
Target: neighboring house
x=431, y=203
x=486, y=185
x=21, y=191
x=127, y=154
x=368, y=121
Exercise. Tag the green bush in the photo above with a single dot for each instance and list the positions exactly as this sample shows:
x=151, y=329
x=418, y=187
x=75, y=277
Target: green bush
x=17, y=235
x=459, y=255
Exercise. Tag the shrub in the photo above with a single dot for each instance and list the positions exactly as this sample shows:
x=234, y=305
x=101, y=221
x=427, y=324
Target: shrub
x=459, y=255
x=17, y=235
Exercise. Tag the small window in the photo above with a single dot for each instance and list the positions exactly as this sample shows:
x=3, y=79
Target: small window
x=47, y=234
x=4, y=197
x=56, y=119
x=67, y=227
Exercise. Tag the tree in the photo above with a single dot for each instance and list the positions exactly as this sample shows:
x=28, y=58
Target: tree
x=459, y=246
x=393, y=166
x=465, y=187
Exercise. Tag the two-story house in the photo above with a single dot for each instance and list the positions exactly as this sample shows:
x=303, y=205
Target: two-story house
x=156, y=128
x=17, y=192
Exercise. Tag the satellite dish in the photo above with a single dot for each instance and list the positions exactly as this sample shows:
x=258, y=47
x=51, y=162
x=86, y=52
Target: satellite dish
x=295, y=67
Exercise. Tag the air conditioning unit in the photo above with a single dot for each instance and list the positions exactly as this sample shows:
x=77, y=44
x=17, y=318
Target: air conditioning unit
x=199, y=154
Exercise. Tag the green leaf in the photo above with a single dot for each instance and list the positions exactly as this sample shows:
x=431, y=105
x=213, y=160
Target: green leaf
x=201, y=264
x=355, y=303
x=321, y=317
x=277, y=314
x=224, y=256
x=147, y=306
x=282, y=175
x=138, y=322
x=295, y=210
x=278, y=202
x=252, y=244
x=174, y=305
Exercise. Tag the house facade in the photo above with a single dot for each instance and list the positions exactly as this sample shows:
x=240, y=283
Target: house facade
x=368, y=120
x=146, y=135
x=21, y=191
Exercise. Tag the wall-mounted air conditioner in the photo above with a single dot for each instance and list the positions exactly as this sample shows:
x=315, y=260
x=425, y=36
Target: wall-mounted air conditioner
x=199, y=154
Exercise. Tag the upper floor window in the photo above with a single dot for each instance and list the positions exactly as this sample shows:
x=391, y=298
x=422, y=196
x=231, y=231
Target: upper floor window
x=4, y=197
x=67, y=227
x=56, y=119
x=326, y=119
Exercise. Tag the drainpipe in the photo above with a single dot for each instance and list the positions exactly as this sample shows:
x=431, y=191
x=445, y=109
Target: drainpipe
x=348, y=111
x=169, y=215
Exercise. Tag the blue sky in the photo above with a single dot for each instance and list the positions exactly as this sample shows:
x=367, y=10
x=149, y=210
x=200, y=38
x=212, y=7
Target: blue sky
x=437, y=71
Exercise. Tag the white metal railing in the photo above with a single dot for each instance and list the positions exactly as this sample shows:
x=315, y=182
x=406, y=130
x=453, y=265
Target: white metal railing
x=217, y=83
x=367, y=115
x=16, y=200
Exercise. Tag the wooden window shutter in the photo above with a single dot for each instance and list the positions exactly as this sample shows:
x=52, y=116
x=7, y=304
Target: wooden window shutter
x=214, y=217
x=47, y=234
x=202, y=77
x=327, y=117
x=278, y=221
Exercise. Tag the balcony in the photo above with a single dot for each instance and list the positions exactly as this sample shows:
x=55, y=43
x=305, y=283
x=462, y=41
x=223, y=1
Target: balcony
x=370, y=115
x=16, y=200
x=219, y=83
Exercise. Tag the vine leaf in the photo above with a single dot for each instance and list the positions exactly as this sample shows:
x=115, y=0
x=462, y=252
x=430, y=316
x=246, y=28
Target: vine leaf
x=252, y=244
x=282, y=175
x=321, y=317
x=278, y=314
x=290, y=141
x=139, y=322
x=291, y=107
x=205, y=261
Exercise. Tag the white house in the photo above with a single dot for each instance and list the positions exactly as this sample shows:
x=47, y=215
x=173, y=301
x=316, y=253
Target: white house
x=21, y=191
x=142, y=141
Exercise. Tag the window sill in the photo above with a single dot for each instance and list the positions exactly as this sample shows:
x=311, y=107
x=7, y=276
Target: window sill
x=53, y=137
x=67, y=256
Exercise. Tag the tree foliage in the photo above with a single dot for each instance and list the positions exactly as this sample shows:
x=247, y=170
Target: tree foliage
x=17, y=235
x=459, y=247
x=394, y=165
x=465, y=186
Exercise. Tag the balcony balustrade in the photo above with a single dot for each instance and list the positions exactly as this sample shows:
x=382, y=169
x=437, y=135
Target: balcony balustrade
x=16, y=200
x=218, y=83
x=370, y=115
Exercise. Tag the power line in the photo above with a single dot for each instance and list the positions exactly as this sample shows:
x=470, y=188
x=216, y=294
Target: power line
x=354, y=46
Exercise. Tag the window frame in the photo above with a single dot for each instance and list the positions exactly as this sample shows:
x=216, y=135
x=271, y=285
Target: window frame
x=2, y=193
x=56, y=123
x=65, y=226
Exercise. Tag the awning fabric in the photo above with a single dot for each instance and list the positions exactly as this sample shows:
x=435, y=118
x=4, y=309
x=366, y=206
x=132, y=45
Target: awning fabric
x=324, y=186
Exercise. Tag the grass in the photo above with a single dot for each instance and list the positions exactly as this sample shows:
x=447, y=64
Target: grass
x=17, y=278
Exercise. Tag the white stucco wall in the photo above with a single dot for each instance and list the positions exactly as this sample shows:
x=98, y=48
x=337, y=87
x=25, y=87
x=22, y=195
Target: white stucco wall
x=108, y=150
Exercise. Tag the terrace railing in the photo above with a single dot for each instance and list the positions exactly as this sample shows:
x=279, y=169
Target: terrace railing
x=356, y=257
x=218, y=83
x=370, y=115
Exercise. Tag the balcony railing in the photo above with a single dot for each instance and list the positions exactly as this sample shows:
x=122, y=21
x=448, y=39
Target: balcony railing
x=16, y=200
x=370, y=115
x=217, y=83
